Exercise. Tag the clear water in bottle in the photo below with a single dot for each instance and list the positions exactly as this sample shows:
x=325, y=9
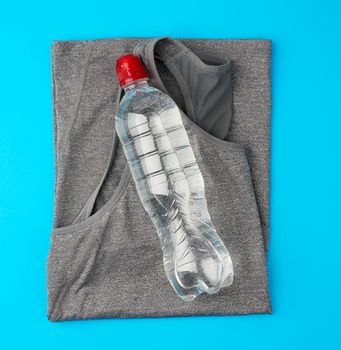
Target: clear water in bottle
x=171, y=187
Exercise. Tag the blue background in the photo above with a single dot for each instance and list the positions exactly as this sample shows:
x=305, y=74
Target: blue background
x=304, y=260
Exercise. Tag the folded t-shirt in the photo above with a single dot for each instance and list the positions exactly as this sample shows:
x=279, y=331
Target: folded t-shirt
x=105, y=258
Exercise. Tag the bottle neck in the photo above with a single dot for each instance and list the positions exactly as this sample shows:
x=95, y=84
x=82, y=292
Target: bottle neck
x=134, y=84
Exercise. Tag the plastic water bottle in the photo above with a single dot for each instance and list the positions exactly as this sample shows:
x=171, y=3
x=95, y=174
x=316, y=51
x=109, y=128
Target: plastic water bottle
x=170, y=184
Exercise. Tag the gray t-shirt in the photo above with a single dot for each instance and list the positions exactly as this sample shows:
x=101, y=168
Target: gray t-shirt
x=105, y=259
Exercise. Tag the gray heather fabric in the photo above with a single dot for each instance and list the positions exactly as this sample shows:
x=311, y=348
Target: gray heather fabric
x=105, y=258
x=201, y=89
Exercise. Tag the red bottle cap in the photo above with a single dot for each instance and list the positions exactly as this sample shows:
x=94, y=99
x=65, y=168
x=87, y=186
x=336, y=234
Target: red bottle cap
x=130, y=68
